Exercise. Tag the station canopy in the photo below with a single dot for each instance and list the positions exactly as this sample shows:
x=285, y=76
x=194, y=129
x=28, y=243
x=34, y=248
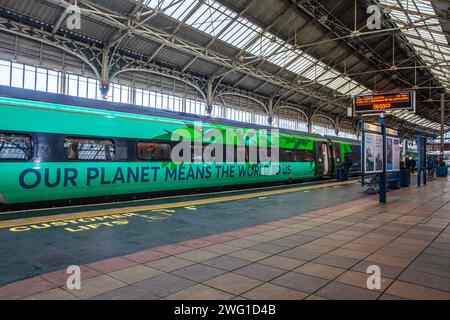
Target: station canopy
x=312, y=55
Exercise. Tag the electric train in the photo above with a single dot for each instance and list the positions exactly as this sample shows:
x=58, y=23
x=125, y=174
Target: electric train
x=80, y=149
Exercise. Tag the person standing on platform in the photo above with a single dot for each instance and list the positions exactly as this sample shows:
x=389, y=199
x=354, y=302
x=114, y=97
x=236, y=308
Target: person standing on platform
x=413, y=165
x=347, y=165
x=430, y=165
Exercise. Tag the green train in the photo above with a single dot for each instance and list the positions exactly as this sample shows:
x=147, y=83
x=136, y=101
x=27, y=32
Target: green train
x=85, y=149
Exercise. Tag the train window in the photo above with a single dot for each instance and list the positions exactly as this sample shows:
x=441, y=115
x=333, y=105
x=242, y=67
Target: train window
x=297, y=155
x=15, y=147
x=356, y=158
x=154, y=151
x=89, y=149
x=307, y=156
x=287, y=155
x=337, y=153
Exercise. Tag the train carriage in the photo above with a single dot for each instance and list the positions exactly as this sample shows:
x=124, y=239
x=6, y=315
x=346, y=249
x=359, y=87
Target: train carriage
x=82, y=148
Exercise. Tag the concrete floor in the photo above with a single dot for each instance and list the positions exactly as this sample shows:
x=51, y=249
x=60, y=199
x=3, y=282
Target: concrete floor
x=307, y=244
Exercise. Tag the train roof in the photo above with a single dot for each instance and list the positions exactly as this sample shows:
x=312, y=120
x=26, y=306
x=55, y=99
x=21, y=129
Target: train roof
x=31, y=95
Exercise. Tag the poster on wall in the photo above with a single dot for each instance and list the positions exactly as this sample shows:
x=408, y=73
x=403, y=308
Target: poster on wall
x=396, y=154
x=389, y=154
x=373, y=153
x=393, y=154
x=378, y=153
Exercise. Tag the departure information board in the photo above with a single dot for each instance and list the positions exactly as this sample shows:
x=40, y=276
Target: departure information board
x=380, y=103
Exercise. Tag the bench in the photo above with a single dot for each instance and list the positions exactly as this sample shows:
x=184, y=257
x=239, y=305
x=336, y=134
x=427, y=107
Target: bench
x=373, y=185
x=430, y=174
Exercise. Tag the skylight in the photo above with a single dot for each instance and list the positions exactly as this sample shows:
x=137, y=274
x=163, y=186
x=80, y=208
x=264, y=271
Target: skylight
x=217, y=20
x=417, y=20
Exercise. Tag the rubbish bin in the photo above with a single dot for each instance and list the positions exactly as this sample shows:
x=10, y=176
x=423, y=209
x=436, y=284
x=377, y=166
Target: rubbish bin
x=405, y=177
x=394, y=181
x=341, y=176
x=442, y=171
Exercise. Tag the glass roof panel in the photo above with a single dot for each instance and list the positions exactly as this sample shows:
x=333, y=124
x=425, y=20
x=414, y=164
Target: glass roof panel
x=213, y=18
x=425, y=34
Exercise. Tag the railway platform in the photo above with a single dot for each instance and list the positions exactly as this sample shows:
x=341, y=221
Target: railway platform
x=300, y=242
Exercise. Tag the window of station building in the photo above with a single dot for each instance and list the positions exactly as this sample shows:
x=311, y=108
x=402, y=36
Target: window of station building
x=92, y=89
x=356, y=158
x=72, y=85
x=15, y=147
x=41, y=79
x=5, y=71
x=296, y=155
x=29, y=78
x=17, y=75
x=89, y=149
x=154, y=151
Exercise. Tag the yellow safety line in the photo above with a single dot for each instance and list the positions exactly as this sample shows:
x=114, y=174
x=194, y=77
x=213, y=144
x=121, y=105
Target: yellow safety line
x=108, y=212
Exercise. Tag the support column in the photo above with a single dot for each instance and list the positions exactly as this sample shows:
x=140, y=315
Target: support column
x=357, y=130
x=105, y=80
x=383, y=174
x=310, y=124
x=419, y=160
x=183, y=101
x=310, y=120
x=62, y=84
x=209, y=98
x=363, y=154
x=442, y=149
x=133, y=95
x=270, y=115
x=337, y=126
x=405, y=148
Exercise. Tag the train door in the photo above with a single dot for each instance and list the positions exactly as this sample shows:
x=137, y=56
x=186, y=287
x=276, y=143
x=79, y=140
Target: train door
x=337, y=155
x=323, y=164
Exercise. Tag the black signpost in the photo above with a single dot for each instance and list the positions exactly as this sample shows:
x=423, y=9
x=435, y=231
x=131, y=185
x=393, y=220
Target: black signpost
x=421, y=160
x=383, y=174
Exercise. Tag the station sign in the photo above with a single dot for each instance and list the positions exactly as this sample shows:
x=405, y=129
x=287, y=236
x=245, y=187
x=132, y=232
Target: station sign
x=392, y=132
x=372, y=127
x=380, y=103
